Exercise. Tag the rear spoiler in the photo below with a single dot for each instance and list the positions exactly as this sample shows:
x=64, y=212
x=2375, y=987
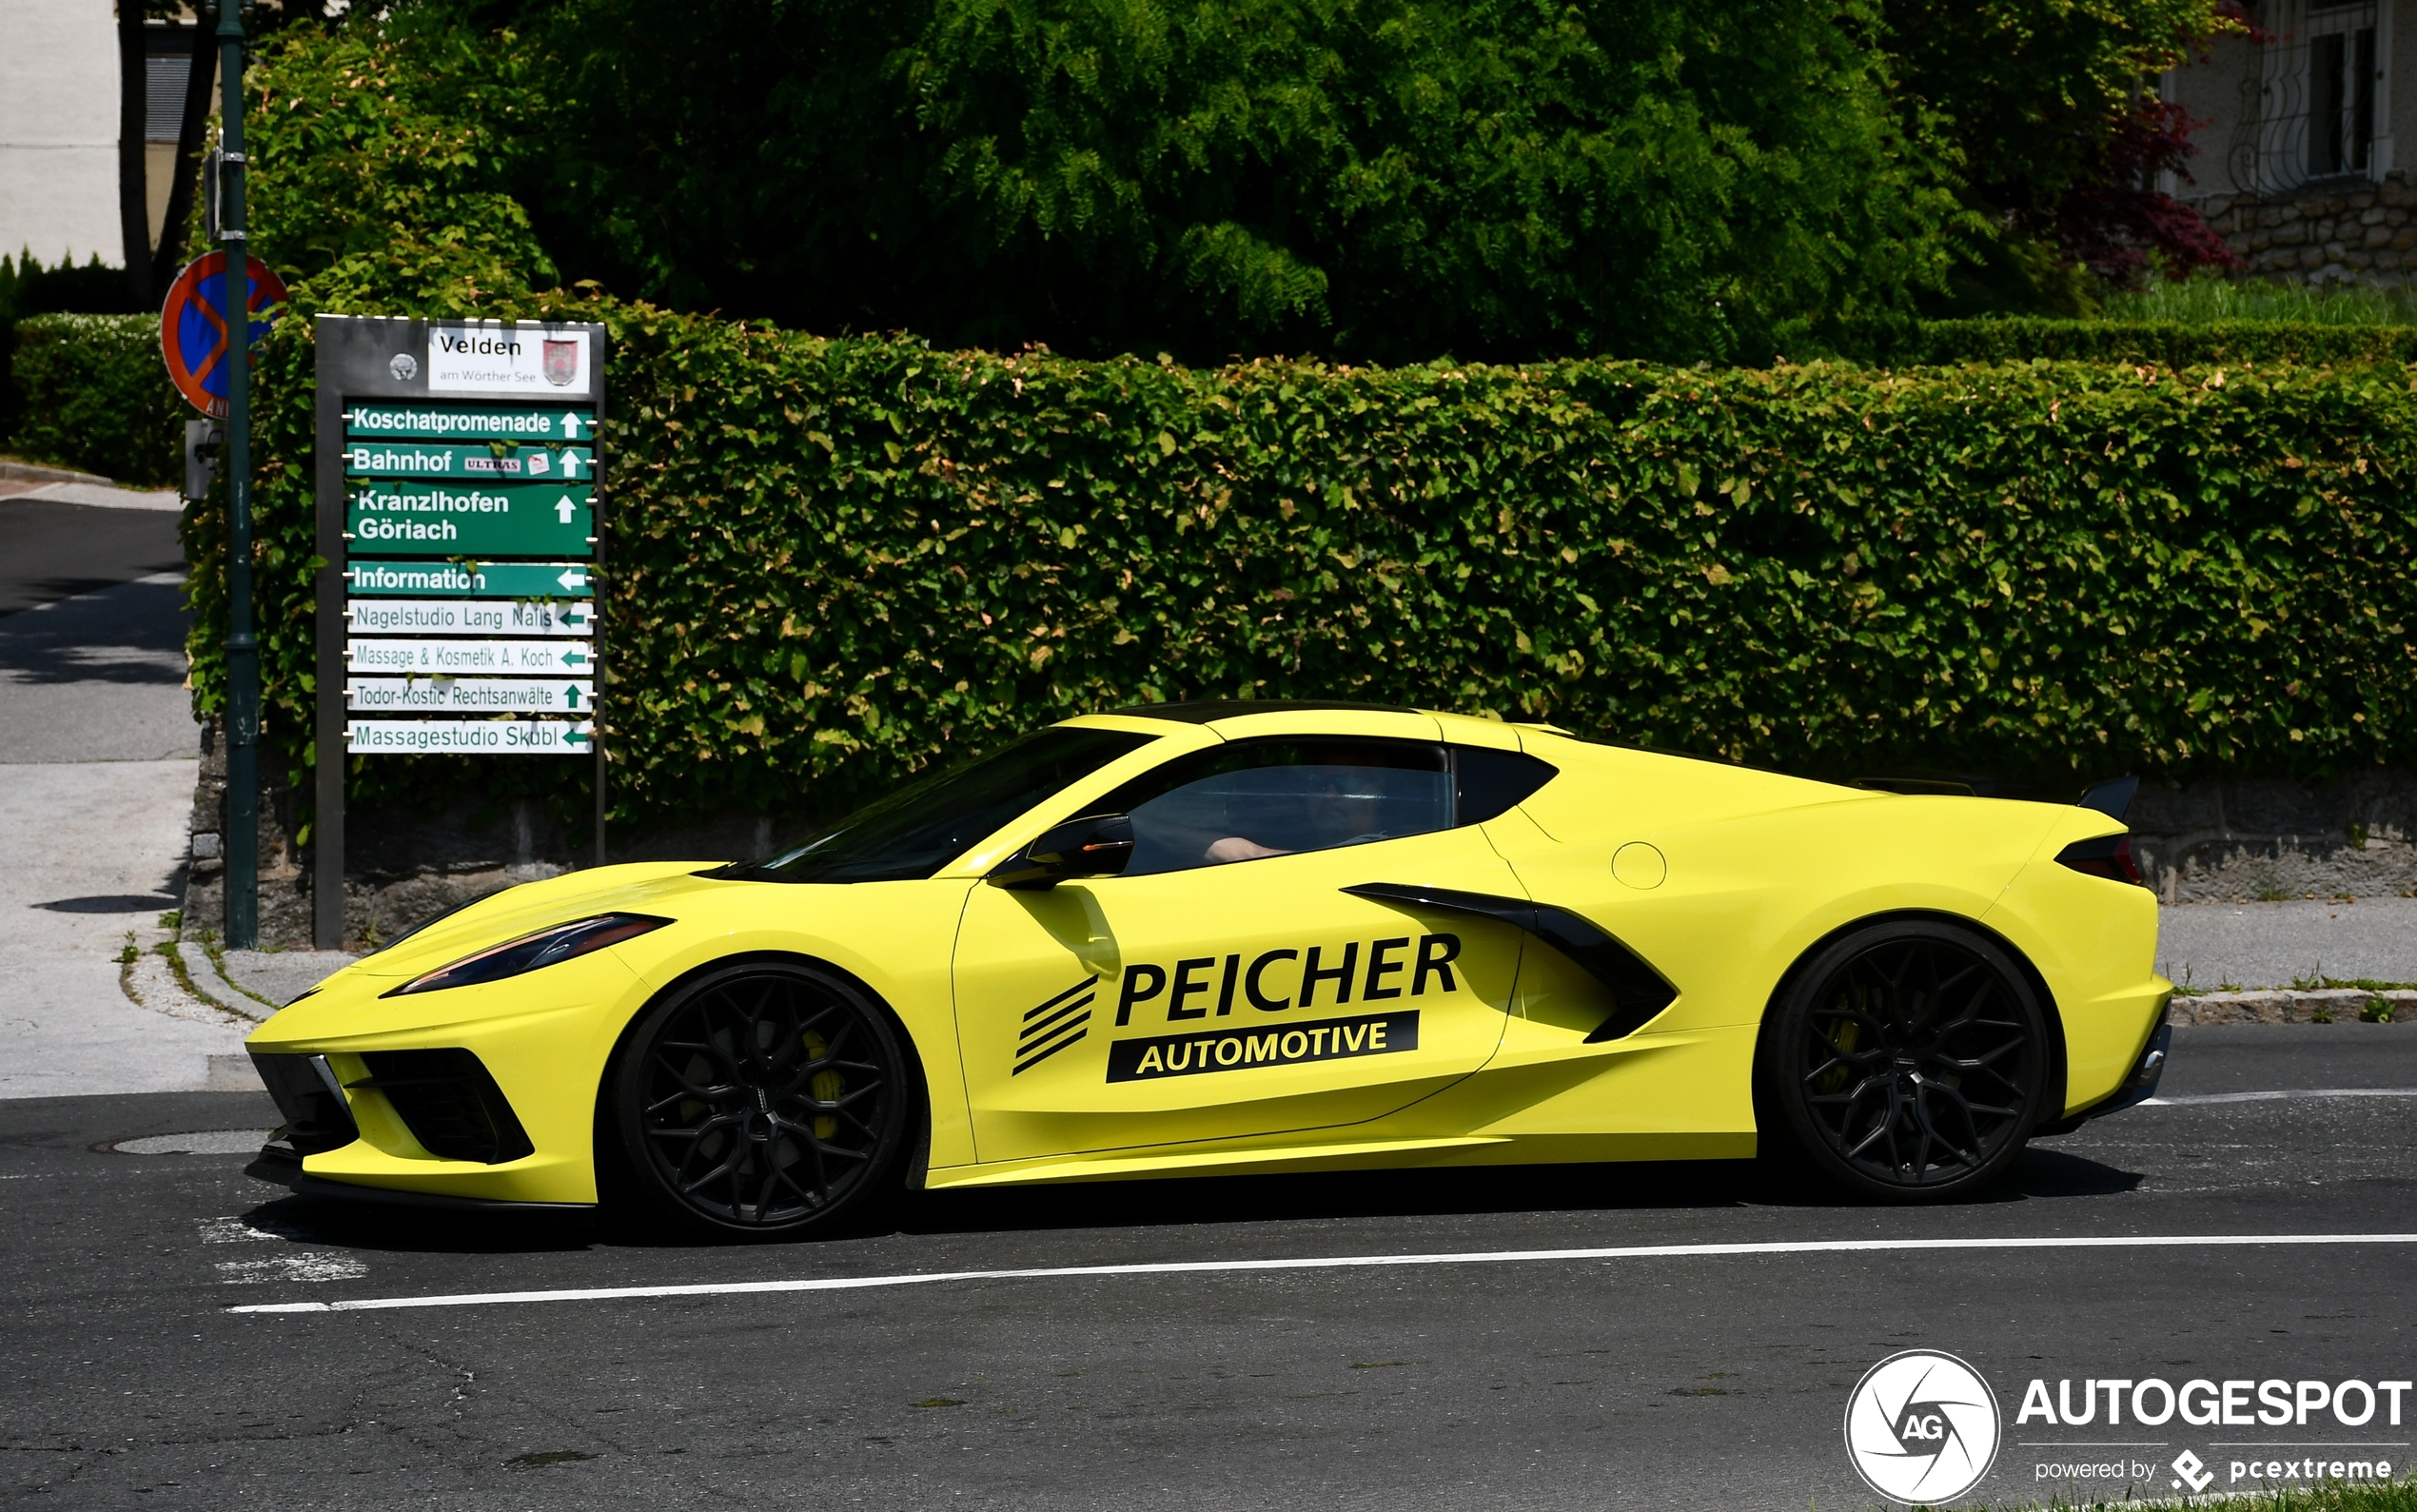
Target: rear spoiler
x=2112, y=798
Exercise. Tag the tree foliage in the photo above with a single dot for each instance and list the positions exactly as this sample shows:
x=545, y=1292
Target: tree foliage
x=1371, y=178
x=2053, y=108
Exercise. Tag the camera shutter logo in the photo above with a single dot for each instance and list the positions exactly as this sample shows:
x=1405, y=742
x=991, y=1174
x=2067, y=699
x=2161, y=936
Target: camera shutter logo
x=1922, y=1427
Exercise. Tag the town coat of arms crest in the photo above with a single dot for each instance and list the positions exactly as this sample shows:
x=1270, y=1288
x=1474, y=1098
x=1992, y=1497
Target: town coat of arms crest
x=562, y=361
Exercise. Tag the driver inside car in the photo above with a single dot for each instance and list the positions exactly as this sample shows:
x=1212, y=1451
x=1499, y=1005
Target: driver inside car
x=1280, y=797
x=1337, y=808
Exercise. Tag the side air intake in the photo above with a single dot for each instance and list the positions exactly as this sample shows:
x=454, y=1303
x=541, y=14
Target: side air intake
x=1637, y=991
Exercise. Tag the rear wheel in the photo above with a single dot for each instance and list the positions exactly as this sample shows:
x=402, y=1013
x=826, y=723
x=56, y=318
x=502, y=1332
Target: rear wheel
x=765, y=1098
x=1908, y=1061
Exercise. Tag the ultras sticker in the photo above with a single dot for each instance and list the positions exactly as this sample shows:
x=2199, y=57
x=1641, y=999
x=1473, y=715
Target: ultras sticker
x=1132, y=1060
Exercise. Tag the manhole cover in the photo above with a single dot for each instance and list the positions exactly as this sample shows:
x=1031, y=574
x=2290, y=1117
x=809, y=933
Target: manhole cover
x=200, y=1142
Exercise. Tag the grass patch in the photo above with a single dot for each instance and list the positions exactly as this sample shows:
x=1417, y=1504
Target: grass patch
x=217, y=955
x=2337, y=1496
x=2208, y=300
x=2363, y=984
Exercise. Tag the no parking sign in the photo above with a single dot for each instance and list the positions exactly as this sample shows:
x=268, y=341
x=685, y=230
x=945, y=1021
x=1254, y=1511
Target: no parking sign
x=193, y=326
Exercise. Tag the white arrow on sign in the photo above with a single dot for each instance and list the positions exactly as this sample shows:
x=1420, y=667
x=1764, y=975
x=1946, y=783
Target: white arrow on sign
x=570, y=464
x=563, y=508
x=573, y=578
x=570, y=425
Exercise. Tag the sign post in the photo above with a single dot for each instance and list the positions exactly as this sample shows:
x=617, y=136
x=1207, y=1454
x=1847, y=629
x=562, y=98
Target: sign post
x=208, y=346
x=242, y=650
x=458, y=518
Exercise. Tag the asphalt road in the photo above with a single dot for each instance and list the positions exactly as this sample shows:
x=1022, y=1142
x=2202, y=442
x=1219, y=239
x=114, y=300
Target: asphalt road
x=1665, y=1382
x=52, y=549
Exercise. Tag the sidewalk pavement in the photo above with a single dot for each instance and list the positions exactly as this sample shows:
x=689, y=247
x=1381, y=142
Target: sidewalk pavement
x=98, y=757
x=2212, y=946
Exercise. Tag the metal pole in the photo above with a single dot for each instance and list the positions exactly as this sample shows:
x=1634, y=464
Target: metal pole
x=242, y=651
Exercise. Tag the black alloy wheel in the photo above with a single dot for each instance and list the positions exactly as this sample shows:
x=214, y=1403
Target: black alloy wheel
x=1909, y=1061
x=765, y=1098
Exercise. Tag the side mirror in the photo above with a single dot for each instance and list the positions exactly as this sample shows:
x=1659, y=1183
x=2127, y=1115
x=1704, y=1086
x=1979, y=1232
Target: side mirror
x=1096, y=845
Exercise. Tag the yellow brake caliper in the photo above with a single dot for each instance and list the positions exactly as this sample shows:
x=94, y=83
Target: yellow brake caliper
x=827, y=1085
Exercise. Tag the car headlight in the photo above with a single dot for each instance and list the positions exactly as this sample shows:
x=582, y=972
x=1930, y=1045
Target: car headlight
x=546, y=947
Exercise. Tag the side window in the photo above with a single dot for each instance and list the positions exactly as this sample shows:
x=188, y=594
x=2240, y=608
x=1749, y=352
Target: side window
x=1491, y=783
x=1279, y=797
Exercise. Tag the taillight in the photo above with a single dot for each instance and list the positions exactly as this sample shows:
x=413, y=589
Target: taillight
x=2108, y=855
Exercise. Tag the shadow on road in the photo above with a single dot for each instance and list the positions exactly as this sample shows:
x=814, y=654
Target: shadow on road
x=131, y=633
x=50, y=549
x=1620, y=1187
x=1616, y=1188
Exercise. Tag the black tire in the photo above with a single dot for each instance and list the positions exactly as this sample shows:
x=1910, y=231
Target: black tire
x=763, y=1099
x=1907, y=1061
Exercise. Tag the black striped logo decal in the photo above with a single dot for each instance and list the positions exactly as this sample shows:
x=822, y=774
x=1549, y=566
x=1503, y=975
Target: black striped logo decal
x=1054, y=1025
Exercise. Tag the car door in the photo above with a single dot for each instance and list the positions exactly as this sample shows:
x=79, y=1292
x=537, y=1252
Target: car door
x=1226, y=985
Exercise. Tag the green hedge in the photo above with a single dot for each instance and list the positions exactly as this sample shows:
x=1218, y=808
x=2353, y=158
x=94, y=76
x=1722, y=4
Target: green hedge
x=1884, y=343
x=89, y=392
x=832, y=561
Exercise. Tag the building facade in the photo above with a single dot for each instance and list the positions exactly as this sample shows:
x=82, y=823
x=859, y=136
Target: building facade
x=59, y=129
x=2296, y=168
x=61, y=109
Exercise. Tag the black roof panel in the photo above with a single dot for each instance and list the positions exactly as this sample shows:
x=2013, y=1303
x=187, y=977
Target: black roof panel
x=1206, y=710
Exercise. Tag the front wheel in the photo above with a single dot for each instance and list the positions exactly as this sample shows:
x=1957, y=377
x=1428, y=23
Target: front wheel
x=765, y=1098
x=1908, y=1061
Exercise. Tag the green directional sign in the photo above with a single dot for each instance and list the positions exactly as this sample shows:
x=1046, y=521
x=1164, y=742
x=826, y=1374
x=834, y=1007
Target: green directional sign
x=486, y=462
x=452, y=657
x=486, y=580
x=472, y=422
x=469, y=737
x=470, y=518
x=470, y=617
x=469, y=696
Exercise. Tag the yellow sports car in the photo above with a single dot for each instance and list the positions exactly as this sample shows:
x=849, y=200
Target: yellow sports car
x=1205, y=938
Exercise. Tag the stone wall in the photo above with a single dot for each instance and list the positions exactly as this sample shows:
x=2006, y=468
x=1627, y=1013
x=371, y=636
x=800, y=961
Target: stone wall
x=2352, y=232
x=2253, y=841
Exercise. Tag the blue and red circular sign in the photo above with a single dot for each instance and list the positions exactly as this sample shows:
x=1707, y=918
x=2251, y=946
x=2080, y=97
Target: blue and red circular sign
x=193, y=326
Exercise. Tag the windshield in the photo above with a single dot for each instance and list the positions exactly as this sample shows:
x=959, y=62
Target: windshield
x=931, y=821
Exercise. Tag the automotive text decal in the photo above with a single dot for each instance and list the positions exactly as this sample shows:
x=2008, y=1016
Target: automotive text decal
x=1132, y=1060
x=1270, y=983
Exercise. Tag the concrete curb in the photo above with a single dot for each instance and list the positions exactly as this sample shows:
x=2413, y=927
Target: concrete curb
x=150, y=982
x=36, y=473
x=106, y=495
x=2331, y=1005
x=210, y=983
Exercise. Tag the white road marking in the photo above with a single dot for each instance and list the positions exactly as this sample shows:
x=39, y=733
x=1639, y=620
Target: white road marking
x=2271, y=1098
x=305, y=1266
x=228, y=1231
x=233, y=1230
x=1816, y=1246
